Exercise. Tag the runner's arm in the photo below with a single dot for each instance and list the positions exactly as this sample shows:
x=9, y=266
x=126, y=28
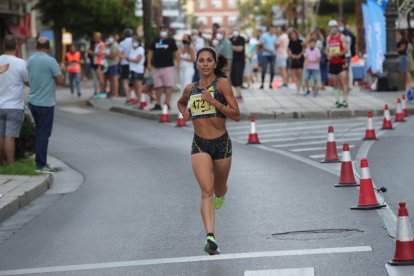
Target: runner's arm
x=232, y=109
x=183, y=102
x=345, y=46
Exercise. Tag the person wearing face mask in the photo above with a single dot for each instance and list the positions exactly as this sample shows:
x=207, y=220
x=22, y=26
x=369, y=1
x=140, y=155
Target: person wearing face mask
x=113, y=60
x=336, y=49
x=185, y=61
x=239, y=62
x=161, y=65
x=136, y=61
x=351, y=42
x=198, y=44
x=126, y=48
x=224, y=47
x=268, y=43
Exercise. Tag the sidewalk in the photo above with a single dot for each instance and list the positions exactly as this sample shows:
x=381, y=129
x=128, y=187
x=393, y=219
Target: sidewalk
x=18, y=191
x=277, y=104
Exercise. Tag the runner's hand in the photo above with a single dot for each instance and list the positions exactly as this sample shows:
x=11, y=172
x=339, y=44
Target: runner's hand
x=186, y=114
x=205, y=95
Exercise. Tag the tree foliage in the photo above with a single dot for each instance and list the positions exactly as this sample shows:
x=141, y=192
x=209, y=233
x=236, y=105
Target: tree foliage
x=82, y=17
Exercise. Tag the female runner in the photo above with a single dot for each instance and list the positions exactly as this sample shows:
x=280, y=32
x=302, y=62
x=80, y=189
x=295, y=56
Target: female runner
x=208, y=103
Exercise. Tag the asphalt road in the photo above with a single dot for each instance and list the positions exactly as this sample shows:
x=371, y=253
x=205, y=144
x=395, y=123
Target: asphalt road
x=140, y=201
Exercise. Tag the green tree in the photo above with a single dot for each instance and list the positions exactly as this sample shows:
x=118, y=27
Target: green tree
x=82, y=17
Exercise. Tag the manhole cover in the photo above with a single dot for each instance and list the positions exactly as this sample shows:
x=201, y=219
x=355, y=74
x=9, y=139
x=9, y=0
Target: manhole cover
x=317, y=234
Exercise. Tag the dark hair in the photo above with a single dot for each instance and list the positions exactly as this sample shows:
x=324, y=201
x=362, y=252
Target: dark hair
x=127, y=32
x=43, y=44
x=221, y=61
x=9, y=43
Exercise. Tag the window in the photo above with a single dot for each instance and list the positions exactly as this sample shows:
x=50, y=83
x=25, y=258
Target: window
x=202, y=4
x=202, y=20
x=217, y=4
x=232, y=4
x=218, y=20
x=232, y=20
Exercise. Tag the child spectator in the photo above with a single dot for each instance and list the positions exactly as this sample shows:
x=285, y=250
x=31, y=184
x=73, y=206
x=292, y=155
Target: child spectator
x=312, y=72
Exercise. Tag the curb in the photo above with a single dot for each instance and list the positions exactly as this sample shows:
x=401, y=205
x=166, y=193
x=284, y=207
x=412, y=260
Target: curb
x=326, y=114
x=22, y=196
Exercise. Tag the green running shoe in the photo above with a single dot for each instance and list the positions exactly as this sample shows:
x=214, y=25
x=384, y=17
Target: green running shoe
x=211, y=247
x=218, y=201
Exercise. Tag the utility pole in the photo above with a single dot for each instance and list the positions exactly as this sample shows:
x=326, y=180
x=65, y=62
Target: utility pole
x=147, y=14
x=359, y=26
x=341, y=10
x=392, y=61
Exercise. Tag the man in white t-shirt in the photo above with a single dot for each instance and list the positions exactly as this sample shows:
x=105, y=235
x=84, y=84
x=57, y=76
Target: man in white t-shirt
x=126, y=48
x=282, y=44
x=13, y=77
x=136, y=61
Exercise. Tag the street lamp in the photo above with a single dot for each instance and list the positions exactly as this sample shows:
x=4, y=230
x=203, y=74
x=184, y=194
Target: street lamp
x=392, y=64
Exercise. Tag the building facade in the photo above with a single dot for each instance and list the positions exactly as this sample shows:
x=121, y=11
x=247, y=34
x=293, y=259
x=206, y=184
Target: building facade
x=18, y=18
x=224, y=12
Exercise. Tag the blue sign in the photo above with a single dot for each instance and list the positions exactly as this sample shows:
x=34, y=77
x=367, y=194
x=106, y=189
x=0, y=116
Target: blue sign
x=381, y=3
x=375, y=35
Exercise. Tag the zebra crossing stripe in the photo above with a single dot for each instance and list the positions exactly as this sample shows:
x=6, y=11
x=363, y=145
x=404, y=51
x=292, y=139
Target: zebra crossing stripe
x=316, y=148
x=313, y=143
x=306, y=137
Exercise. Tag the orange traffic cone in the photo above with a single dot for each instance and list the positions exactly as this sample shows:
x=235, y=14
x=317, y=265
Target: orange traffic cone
x=399, y=114
x=180, y=120
x=164, y=116
x=331, y=155
x=347, y=178
x=367, y=199
x=253, y=136
x=404, y=106
x=404, y=245
x=386, y=123
x=143, y=101
x=370, y=131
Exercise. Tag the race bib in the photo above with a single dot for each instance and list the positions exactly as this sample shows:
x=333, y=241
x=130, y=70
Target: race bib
x=198, y=106
x=335, y=50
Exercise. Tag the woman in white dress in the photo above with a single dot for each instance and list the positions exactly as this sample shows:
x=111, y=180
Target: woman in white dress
x=185, y=62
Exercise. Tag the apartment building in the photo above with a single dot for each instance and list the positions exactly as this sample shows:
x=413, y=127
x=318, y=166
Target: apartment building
x=223, y=12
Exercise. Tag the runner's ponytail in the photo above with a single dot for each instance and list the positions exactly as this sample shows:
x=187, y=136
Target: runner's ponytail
x=219, y=71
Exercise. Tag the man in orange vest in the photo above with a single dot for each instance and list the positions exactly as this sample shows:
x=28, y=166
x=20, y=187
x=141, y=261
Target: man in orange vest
x=73, y=65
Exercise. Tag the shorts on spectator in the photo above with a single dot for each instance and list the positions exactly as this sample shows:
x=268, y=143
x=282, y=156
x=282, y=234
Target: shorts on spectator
x=312, y=74
x=404, y=63
x=113, y=70
x=336, y=69
x=11, y=122
x=137, y=76
x=163, y=77
x=124, y=72
x=281, y=62
x=98, y=66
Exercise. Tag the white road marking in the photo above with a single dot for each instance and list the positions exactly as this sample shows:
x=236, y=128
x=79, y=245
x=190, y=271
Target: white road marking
x=76, y=110
x=191, y=259
x=307, y=271
x=304, y=137
x=316, y=148
x=314, y=143
x=242, y=125
x=260, y=129
x=319, y=156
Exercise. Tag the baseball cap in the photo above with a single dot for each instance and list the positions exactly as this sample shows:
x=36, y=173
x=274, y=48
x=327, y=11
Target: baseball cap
x=333, y=23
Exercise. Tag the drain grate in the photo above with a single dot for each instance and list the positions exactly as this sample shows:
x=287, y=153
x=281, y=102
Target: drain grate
x=317, y=234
